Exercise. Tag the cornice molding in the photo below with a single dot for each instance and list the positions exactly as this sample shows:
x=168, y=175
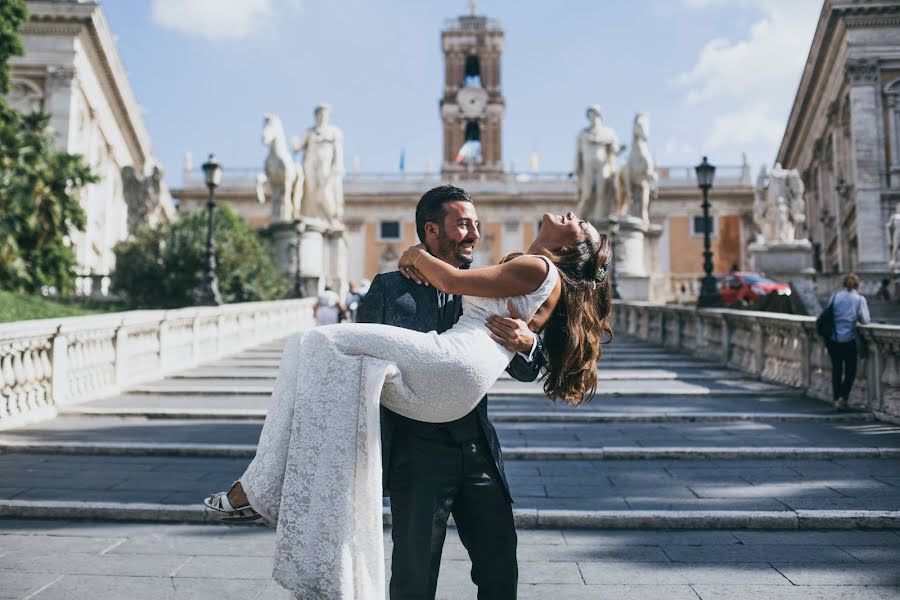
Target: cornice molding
x=874, y=21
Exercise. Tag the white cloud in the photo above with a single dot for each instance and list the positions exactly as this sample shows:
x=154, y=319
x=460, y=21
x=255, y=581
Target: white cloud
x=218, y=19
x=749, y=84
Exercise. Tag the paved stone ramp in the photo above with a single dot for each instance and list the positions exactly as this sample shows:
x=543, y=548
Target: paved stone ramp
x=680, y=480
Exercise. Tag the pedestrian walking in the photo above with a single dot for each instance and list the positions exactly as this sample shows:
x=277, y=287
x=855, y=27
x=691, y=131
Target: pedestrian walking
x=848, y=308
x=328, y=308
x=352, y=300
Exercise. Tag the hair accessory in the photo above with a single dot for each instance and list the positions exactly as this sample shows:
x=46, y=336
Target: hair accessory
x=601, y=275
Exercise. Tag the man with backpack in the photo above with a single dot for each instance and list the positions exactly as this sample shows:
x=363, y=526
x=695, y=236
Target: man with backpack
x=837, y=324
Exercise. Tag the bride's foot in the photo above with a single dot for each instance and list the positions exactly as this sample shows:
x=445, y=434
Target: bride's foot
x=237, y=496
x=232, y=505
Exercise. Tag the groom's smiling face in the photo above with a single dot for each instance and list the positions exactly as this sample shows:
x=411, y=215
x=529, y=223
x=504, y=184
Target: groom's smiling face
x=454, y=240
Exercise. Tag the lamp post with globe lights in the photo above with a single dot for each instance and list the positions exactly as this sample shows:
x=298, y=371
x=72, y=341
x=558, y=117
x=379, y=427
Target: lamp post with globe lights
x=709, y=292
x=208, y=293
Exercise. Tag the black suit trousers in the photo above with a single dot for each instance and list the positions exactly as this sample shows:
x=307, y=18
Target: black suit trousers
x=433, y=477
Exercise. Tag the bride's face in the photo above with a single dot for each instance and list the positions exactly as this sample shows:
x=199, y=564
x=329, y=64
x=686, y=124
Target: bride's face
x=561, y=231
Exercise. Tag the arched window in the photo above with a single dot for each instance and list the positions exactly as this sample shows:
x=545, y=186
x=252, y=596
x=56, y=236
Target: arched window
x=473, y=132
x=470, y=152
x=472, y=74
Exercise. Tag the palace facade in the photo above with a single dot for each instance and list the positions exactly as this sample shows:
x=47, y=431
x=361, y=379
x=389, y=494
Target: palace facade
x=843, y=136
x=72, y=71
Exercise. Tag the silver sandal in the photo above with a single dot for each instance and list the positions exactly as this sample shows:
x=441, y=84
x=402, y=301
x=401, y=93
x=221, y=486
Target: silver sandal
x=219, y=503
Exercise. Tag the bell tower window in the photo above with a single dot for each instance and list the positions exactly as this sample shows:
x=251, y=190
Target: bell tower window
x=472, y=73
x=470, y=152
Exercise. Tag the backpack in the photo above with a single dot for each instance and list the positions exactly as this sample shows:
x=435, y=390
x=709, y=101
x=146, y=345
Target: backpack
x=825, y=321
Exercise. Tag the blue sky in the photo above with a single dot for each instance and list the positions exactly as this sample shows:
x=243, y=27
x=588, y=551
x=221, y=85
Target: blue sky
x=717, y=76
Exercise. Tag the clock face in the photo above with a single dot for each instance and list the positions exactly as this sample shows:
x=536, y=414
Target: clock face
x=472, y=101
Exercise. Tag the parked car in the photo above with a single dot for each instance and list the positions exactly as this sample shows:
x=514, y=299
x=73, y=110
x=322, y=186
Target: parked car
x=744, y=288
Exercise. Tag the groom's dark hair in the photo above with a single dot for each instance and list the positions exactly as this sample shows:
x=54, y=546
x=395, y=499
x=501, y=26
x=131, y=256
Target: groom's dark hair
x=431, y=206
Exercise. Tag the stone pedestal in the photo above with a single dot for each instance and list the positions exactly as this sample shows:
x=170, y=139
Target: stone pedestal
x=632, y=278
x=791, y=263
x=283, y=245
x=780, y=259
x=633, y=288
x=318, y=242
x=313, y=256
x=336, y=260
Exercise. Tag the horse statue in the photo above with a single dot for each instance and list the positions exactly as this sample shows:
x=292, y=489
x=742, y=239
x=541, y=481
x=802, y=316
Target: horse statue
x=285, y=179
x=637, y=181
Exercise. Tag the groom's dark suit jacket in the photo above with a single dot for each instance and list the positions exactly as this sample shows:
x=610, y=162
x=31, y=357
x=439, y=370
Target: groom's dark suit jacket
x=393, y=299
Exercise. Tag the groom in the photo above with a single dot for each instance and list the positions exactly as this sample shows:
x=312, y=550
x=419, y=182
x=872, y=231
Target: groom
x=434, y=470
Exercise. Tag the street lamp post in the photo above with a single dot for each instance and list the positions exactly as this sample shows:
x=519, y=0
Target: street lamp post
x=614, y=235
x=208, y=294
x=709, y=292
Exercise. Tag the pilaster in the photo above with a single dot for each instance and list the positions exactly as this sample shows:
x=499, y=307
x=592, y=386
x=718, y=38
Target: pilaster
x=866, y=161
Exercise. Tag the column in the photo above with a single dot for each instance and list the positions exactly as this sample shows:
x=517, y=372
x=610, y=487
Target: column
x=866, y=162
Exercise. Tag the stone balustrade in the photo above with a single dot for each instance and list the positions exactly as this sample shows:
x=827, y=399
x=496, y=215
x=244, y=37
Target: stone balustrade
x=49, y=363
x=771, y=346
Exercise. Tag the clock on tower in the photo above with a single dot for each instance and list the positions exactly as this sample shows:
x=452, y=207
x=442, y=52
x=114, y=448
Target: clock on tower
x=472, y=105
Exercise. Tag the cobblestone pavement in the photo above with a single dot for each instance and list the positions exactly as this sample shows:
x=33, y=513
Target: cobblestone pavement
x=48, y=560
x=668, y=437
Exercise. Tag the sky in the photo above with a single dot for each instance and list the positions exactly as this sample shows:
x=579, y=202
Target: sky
x=717, y=77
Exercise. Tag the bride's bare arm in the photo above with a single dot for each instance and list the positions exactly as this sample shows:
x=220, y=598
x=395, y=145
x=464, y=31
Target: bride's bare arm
x=521, y=275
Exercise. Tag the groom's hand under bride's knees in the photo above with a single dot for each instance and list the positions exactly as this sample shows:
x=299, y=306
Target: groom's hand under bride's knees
x=511, y=332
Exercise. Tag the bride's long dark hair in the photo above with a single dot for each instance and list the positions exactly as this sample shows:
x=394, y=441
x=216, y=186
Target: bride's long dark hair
x=580, y=324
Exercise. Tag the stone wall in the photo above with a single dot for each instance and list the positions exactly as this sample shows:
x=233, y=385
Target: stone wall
x=773, y=347
x=49, y=363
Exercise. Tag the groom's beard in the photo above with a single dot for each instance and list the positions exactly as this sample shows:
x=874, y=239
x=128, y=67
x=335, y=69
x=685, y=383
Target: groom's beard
x=457, y=252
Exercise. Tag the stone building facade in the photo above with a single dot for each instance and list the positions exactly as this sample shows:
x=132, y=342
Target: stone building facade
x=843, y=136
x=380, y=217
x=379, y=212
x=72, y=71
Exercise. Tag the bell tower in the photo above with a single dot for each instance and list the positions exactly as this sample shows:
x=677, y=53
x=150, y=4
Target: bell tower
x=472, y=105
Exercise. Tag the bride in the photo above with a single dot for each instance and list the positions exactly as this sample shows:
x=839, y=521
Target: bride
x=316, y=476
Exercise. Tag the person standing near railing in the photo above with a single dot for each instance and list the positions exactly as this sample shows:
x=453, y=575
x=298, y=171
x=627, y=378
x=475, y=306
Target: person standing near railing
x=850, y=308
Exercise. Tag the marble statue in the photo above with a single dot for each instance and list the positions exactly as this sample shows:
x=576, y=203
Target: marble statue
x=323, y=166
x=637, y=180
x=893, y=231
x=779, y=210
x=142, y=196
x=595, y=167
x=285, y=179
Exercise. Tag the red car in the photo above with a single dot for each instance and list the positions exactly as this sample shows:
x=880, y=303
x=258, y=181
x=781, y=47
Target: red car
x=743, y=288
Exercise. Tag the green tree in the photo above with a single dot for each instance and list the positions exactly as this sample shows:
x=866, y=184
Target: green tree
x=39, y=185
x=161, y=268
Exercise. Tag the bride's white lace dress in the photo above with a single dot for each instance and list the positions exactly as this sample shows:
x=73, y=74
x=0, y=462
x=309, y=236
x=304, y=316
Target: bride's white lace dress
x=317, y=471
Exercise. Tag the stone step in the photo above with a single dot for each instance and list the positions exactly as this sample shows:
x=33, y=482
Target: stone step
x=496, y=415
x=561, y=435
x=722, y=388
x=608, y=484
x=101, y=448
x=501, y=403
x=805, y=520
x=655, y=374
